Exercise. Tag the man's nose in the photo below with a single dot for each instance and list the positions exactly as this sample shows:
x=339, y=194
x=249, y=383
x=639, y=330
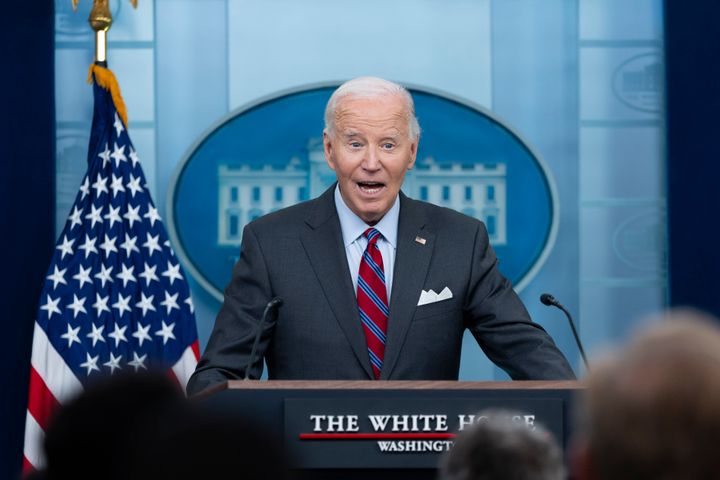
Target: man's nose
x=372, y=160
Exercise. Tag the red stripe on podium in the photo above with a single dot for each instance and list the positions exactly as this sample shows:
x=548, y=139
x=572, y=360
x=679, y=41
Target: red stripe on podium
x=376, y=436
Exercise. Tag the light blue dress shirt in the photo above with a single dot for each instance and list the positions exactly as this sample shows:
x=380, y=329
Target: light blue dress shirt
x=355, y=243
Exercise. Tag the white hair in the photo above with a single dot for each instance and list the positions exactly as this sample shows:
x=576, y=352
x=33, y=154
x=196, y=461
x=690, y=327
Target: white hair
x=371, y=87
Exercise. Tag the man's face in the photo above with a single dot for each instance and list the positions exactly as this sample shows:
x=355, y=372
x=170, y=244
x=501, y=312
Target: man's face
x=370, y=151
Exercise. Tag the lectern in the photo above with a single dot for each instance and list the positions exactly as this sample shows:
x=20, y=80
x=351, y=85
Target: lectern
x=384, y=429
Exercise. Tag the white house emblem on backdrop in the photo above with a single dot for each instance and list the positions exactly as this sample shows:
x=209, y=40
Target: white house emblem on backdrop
x=247, y=192
x=268, y=155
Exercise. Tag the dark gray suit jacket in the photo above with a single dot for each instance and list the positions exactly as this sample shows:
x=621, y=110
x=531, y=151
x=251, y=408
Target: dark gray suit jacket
x=297, y=254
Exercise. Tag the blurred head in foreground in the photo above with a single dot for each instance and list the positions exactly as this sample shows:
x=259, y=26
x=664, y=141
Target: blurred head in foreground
x=141, y=427
x=502, y=448
x=653, y=410
x=89, y=437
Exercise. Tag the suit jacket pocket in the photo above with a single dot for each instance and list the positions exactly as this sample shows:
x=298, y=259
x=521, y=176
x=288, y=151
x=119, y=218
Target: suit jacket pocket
x=436, y=308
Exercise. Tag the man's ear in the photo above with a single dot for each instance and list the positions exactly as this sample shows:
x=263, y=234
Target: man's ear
x=581, y=462
x=413, y=153
x=327, y=148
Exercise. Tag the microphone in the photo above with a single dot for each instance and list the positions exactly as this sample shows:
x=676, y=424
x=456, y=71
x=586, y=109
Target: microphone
x=550, y=301
x=275, y=302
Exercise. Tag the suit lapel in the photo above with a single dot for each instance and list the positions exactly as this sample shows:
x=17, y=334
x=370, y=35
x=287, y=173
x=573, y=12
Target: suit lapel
x=324, y=246
x=411, y=265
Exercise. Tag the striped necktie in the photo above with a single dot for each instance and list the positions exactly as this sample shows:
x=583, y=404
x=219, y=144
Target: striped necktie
x=372, y=300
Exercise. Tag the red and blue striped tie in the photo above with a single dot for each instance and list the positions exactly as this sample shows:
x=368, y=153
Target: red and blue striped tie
x=372, y=300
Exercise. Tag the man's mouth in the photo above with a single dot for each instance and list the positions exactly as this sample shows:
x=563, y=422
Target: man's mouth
x=370, y=187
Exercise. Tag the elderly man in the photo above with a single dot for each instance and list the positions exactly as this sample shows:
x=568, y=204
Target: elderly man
x=355, y=267
x=653, y=411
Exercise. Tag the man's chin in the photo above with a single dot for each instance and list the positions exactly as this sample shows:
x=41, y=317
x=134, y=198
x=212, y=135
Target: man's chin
x=372, y=216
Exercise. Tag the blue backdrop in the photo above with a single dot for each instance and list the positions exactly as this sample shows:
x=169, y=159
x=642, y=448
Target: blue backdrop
x=27, y=178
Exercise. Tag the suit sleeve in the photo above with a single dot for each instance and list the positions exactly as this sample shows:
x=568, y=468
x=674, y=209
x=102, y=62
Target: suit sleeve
x=228, y=350
x=502, y=326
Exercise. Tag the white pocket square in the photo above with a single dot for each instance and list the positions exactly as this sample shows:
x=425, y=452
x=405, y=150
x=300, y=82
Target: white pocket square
x=431, y=297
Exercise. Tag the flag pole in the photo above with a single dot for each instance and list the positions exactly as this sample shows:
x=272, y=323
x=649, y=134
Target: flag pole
x=100, y=20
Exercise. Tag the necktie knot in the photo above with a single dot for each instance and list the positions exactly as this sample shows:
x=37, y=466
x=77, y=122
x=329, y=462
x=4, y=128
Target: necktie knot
x=373, y=235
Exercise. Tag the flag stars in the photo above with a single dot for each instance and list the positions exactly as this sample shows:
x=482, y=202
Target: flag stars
x=138, y=362
x=100, y=185
x=100, y=304
x=152, y=243
x=51, y=306
x=152, y=215
x=114, y=363
x=170, y=302
x=90, y=363
x=141, y=333
x=189, y=302
x=129, y=245
x=113, y=215
x=72, y=335
x=85, y=188
x=118, y=154
x=58, y=276
x=145, y=303
x=122, y=305
x=149, y=274
x=127, y=274
x=132, y=215
x=167, y=244
x=118, y=334
x=166, y=332
x=133, y=157
x=77, y=306
x=96, y=334
x=104, y=275
x=94, y=215
x=108, y=245
x=66, y=247
x=83, y=276
x=89, y=246
x=75, y=217
x=134, y=185
x=116, y=185
x=105, y=155
x=118, y=125
x=172, y=272
x=112, y=335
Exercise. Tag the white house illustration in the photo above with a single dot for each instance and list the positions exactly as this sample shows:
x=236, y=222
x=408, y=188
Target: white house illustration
x=247, y=192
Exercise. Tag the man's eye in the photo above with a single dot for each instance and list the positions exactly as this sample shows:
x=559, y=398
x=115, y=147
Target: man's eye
x=355, y=144
x=388, y=146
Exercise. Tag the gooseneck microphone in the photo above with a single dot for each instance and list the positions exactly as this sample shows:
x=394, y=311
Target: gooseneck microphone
x=550, y=301
x=275, y=302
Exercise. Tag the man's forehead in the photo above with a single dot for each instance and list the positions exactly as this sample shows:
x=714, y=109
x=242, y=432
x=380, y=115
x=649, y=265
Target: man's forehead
x=392, y=132
x=391, y=102
x=386, y=112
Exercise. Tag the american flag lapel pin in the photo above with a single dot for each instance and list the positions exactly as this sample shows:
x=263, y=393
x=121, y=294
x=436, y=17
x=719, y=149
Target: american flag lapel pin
x=420, y=240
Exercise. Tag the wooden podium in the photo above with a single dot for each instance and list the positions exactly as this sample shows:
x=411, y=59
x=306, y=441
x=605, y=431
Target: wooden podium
x=384, y=429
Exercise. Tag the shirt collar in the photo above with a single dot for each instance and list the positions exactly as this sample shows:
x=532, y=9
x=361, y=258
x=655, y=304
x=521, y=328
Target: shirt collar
x=353, y=226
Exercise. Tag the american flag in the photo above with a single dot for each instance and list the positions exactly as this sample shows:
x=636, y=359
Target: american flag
x=115, y=297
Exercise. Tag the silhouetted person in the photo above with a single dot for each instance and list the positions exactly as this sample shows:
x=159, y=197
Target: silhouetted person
x=653, y=411
x=89, y=437
x=502, y=448
x=141, y=427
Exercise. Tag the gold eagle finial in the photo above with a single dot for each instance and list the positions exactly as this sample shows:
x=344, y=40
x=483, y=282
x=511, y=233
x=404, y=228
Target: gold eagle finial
x=100, y=18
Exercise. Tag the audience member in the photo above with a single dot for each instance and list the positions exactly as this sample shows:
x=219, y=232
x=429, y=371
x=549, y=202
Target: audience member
x=653, y=410
x=502, y=448
x=88, y=437
x=141, y=427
